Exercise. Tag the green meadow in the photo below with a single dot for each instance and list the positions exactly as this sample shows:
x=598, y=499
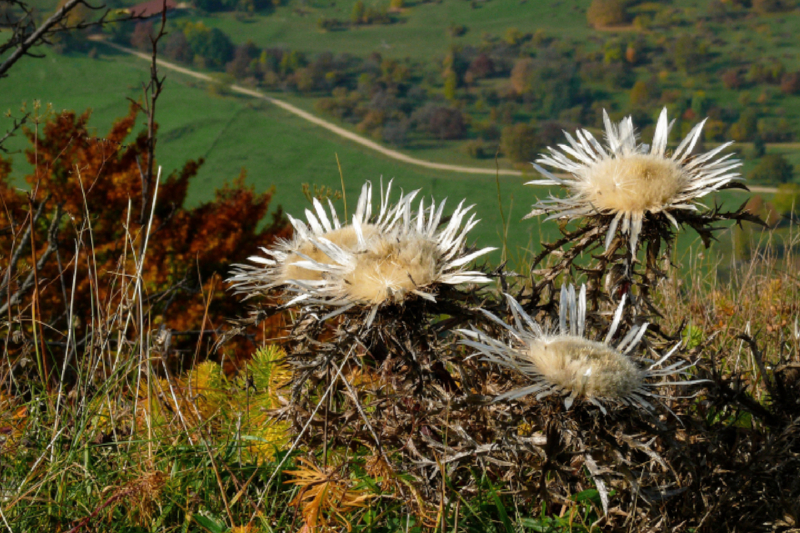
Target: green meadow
x=276, y=148
x=231, y=133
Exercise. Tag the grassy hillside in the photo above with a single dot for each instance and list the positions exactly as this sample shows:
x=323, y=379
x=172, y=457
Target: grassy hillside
x=277, y=148
x=232, y=133
x=419, y=33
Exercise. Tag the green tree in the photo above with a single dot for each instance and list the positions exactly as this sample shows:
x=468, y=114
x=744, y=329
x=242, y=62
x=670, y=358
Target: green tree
x=519, y=143
x=688, y=53
x=700, y=102
x=450, y=85
x=612, y=52
x=522, y=75
x=211, y=44
x=759, y=147
x=787, y=199
x=746, y=127
x=772, y=168
x=640, y=94
x=606, y=13
x=357, y=16
x=513, y=36
x=767, y=6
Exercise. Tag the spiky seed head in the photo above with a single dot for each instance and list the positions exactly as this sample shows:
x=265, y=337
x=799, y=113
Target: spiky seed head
x=411, y=257
x=391, y=269
x=637, y=183
x=628, y=180
x=278, y=265
x=565, y=361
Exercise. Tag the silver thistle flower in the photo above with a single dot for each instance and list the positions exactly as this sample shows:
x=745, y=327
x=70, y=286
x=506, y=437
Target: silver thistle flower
x=628, y=180
x=279, y=266
x=567, y=363
x=374, y=260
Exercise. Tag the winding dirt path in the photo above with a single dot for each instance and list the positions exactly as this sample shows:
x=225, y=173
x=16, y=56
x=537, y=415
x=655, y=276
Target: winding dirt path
x=388, y=152
x=338, y=130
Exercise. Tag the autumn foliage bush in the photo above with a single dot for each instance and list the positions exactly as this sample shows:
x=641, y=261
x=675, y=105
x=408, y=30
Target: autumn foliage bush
x=85, y=197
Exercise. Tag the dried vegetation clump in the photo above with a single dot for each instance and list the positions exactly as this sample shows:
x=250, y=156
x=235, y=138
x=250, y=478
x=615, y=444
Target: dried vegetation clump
x=561, y=394
x=596, y=389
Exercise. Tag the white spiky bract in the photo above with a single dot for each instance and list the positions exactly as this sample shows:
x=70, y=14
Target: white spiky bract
x=408, y=254
x=627, y=179
x=279, y=264
x=566, y=362
x=385, y=258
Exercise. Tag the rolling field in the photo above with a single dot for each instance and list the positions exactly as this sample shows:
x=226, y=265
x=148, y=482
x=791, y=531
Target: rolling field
x=421, y=30
x=277, y=148
x=232, y=133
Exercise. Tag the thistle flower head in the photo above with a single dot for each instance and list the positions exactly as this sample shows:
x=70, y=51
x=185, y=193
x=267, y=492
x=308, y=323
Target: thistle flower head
x=279, y=264
x=387, y=258
x=628, y=180
x=568, y=363
x=411, y=255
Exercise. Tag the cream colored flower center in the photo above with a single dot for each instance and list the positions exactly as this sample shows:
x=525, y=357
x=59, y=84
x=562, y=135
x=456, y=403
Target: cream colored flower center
x=391, y=268
x=345, y=238
x=634, y=183
x=584, y=367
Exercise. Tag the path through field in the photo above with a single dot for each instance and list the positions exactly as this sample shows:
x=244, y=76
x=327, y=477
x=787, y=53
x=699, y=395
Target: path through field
x=338, y=130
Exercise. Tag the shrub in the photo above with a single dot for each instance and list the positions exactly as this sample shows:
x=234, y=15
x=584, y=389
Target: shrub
x=773, y=168
x=790, y=83
x=330, y=24
x=732, y=79
x=519, y=143
x=787, y=199
x=477, y=149
x=443, y=122
x=606, y=13
x=513, y=36
x=640, y=94
x=456, y=30
x=89, y=182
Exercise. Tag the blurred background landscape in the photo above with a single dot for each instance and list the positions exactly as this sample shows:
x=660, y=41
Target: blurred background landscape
x=480, y=83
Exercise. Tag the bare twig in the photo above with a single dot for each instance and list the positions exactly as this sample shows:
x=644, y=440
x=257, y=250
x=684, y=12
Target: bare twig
x=151, y=93
x=52, y=246
x=17, y=123
x=23, y=39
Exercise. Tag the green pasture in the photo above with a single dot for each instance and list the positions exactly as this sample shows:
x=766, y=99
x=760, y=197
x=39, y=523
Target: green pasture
x=277, y=148
x=419, y=33
x=231, y=133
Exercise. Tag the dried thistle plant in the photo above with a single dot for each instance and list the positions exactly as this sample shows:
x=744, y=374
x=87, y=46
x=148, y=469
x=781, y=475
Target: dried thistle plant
x=626, y=193
x=376, y=372
x=565, y=361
